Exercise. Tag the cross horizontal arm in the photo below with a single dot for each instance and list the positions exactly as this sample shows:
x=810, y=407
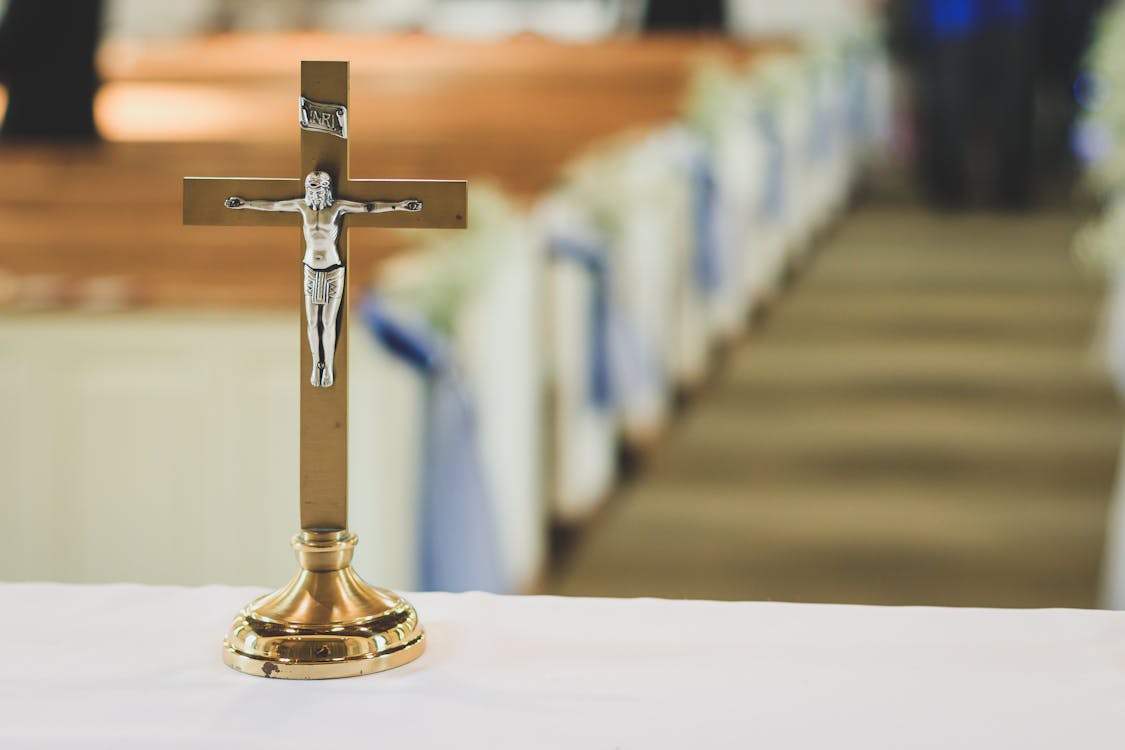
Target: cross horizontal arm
x=204, y=196
x=444, y=203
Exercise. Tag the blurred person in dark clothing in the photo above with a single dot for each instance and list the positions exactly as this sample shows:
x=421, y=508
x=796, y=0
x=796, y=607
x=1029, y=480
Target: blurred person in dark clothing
x=974, y=82
x=1065, y=32
x=677, y=15
x=47, y=50
x=988, y=75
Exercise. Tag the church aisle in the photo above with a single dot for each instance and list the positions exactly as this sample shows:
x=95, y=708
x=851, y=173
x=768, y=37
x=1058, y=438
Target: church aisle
x=919, y=421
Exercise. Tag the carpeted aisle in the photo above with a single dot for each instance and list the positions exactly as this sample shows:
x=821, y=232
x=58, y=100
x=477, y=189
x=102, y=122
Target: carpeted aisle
x=920, y=420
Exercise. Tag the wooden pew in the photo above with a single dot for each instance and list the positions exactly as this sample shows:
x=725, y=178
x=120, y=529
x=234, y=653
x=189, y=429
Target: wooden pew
x=511, y=112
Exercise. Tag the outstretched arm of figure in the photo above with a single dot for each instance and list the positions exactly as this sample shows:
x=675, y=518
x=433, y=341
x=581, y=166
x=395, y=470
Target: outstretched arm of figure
x=378, y=207
x=290, y=204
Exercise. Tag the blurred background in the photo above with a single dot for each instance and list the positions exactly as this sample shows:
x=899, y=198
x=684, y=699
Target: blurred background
x=807, y=301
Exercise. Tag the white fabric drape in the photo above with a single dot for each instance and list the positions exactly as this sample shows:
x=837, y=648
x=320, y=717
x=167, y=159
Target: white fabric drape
x=127, y=667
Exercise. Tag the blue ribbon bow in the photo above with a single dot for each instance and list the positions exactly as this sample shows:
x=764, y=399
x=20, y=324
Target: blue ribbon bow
x=707, y=261
x=459, y=546
x=593, y=259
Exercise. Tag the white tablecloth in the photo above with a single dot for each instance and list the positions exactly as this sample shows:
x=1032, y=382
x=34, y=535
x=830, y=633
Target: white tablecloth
x=541, y=672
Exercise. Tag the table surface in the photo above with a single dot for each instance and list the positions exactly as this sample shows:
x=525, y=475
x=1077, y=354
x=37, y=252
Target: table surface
x=129, y=666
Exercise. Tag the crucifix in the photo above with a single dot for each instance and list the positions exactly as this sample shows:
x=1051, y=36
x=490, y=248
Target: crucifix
x=326, y=622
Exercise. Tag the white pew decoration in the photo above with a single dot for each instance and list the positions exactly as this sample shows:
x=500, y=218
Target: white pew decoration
x=1113, y=565
x=667, y=238
x=457, y=529
x=705, y=256
x=769, y=85
x=470, y=299
x=828, y=146
x=869, y=98
x=1100, y=140
x=788, y=82
x=1100, y=136
x=660, y=263
x=620, y=189
x=726, y=171
x=1100, y=245
x=582, y=385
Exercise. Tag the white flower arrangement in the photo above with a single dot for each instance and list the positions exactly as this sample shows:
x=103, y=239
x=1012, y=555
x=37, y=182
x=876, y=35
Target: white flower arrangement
x=448, y=266
x=1102, y=129
x=1100, y=141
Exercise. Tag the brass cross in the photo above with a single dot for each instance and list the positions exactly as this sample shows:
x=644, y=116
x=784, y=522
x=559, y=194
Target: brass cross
x=324, y=147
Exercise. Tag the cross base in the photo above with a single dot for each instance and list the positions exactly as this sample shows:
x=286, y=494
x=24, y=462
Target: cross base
x=326, y=622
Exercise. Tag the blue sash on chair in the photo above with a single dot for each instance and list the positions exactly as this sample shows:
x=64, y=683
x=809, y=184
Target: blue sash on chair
x=458, y=541
x=859, y=100
x=821, y=125
x=707, y=260
x=593, y=259
x=621, y=362
x=773, y=193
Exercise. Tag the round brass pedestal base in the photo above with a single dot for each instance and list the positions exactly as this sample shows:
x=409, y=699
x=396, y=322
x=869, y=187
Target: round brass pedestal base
x=326, y=622
x=325, y=670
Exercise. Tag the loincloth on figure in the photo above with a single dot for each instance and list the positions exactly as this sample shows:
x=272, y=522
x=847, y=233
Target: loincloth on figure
x=323, y=284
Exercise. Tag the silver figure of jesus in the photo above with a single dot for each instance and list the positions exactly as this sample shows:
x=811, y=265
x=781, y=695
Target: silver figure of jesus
x=324, y=271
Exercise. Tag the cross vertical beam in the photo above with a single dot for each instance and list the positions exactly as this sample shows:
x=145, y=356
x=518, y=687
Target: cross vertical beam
x=324, y=411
